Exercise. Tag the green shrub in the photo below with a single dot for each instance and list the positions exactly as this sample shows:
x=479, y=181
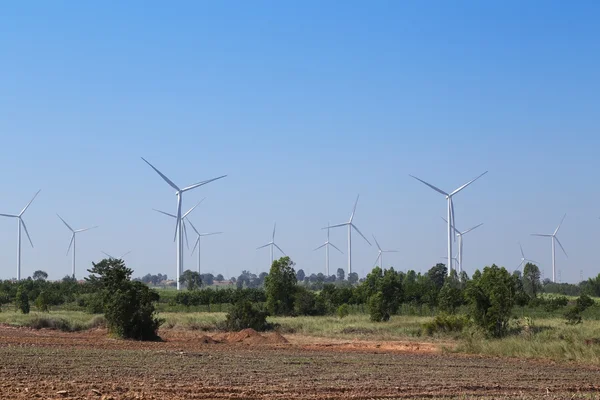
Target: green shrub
x=343, y=311
x=445, y=323
x=584, y=302
x=573, y=315
x=244, y=315
x=42, y=302
x=555, y=303
x=22, y=300
x=377, y=308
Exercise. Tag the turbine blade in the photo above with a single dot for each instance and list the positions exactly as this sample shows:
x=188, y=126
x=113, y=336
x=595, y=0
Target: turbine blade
x=261, y=247
x=354, y=209
x=106, y=254
x=360, y=233
x=274, y=226
x=192, y=209
x=174, y=186
x=453, y=224
x=187, y=243
x=279, y=248
x=26, y=232
x=561, y=246
x=193, y=227
x=196, y=245
x=430, y=185
x=210, y=233
x=202, y=183
x=539, y=234
x=28, y=204
x=337, y=226
x=469, y=230
x=86, y=229
x=377, y=243
x=71, y=244
x=467, y=184
x=320, y=247
x=123, y=255
x=376, y=261
x=166, y=213
x=334, y=246
x=522, y=254
x=9, y=215
x=559, y=225
x=71, y=229
x=178, y=218
x=390, y=251
x=520, y=264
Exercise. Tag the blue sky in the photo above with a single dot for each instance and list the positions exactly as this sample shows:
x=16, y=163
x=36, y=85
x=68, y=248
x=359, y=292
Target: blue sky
x=304, y=105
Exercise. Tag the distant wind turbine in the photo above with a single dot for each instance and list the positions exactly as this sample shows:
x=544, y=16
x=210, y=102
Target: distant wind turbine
x=554, y=238
x=116, y=258
x=523, y=259
x=178, y=225
x=380, y=255
x=350, y=226
x=72, y=243
x=450, y=219
x=326, y=245
x=272, y=244
x=460, y=235
x=20, y=223
x=200, y=236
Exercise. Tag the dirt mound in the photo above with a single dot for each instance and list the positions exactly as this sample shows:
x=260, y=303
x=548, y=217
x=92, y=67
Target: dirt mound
x=207, y=340
x=248, y=335
x=276, y=338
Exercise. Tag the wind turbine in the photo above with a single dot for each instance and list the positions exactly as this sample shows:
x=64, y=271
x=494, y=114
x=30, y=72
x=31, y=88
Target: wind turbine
x=182, y=232
x=272, y=244
x=74, y=232
x=380, y=255
x=178, y=225
x=200, y=235
x=350, y=225
x=20, y=223
x=554, y=238
x=460, y=235
x=115, y=258
x=326, y=245
x=523, y=259
x=451, y=220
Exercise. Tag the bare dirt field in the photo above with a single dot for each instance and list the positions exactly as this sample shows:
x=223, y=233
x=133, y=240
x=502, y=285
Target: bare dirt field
x=49, y=364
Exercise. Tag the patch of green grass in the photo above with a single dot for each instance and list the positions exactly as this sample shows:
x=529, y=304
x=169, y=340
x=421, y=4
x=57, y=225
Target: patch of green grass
x=69, y=321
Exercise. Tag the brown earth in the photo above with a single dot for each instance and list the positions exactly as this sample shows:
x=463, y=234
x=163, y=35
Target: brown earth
x=48, y=364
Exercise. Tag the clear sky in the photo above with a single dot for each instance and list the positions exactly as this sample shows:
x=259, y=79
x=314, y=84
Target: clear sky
x=304, y=105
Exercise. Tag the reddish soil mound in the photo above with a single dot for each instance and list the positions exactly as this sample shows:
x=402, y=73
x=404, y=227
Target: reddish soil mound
x=207, y=340
x=245, y=335
x=276, y=338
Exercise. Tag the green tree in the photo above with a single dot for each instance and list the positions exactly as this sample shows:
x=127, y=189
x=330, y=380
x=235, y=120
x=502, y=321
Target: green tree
x=377, y=308
x=437, y=275
x=128, y=305
x=491, y=297
x=300, y=275
x=451, y=295
x=531, y=280
x=353, y=278
x=40, y=275
x=22, y=300
x=191, y=279
x=244, y=315
x=280, y=287
x=341, y=275
x=42, y=302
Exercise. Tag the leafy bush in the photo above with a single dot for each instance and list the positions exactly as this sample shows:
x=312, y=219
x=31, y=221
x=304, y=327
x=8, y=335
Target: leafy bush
x=445, y=323
x=244, y=315
x=377, y=308
x=280, y=287
x=555, y=303
x=22, y=300
x=573, y=315
x=584, y=302
x=42, y=302
x=343, y=311
x=308, y=303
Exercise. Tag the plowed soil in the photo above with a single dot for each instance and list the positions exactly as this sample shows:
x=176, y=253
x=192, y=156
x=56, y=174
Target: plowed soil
x=48, y=364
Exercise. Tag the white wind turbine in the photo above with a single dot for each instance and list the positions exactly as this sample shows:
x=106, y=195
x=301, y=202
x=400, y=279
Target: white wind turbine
x=20, y=223
x=183, y=232
x=350, y=225
x=451, y=220
x=554, y=238
x=72, y=243
x=460, y=235
x=198, y=244
x=178, y=224
x=326, y=245
x=116, y=258
x=272, y=244
x=380, y=255
x=523, y=259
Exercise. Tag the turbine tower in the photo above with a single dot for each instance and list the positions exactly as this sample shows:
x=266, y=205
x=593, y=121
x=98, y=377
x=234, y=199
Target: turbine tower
x=380, y=255
x=451, y=220
x=523, y=259
x=182, y=232
x=326, y=245
x=554, y=238
x=460, y=235
x=350, y=225
x=20, y=223
x=115, y=258
x=74, y=232
x=178, y=225
x=272, y=244
x=200, y=235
